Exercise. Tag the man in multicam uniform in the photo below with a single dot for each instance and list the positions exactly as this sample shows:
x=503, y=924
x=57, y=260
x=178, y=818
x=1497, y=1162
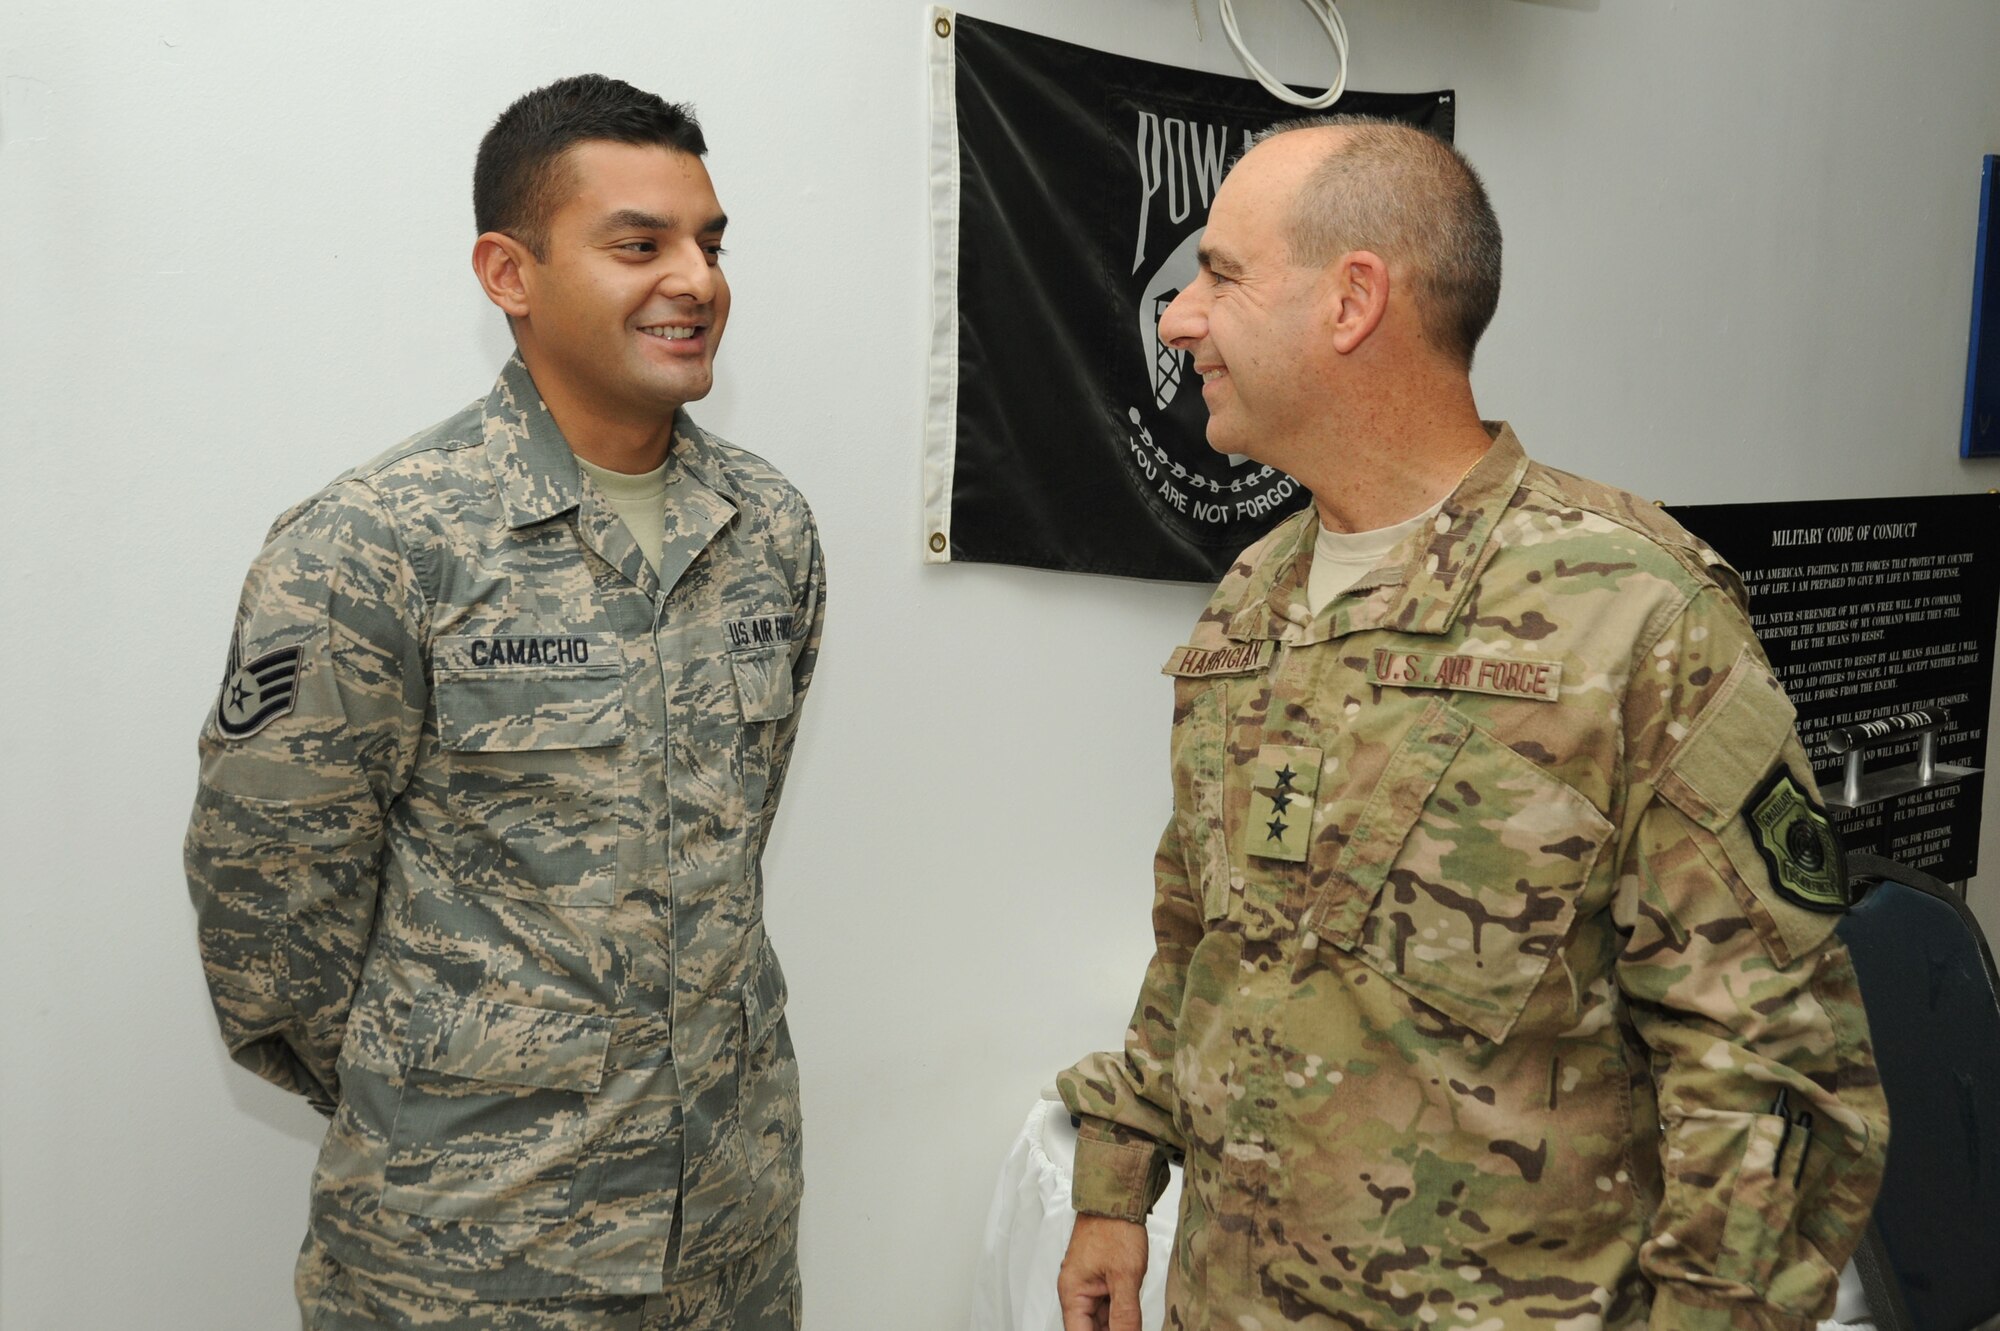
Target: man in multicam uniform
x=476, y=848
x=1494, y=985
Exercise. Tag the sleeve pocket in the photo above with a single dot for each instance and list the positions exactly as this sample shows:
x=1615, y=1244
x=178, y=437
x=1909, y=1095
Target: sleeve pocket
x=1736, y=1216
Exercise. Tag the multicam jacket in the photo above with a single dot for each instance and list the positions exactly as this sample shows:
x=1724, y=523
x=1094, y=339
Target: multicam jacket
x=1494, y=985
x=476, y=855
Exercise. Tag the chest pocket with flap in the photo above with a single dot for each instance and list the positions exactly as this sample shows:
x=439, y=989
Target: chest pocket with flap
x=1461, y=878
x=534, y=750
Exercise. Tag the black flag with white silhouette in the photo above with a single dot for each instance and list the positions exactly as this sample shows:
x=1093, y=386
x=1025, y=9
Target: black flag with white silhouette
x=1069, y=190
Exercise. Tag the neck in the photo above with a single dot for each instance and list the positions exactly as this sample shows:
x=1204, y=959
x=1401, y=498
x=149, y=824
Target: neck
x=1388, y=456
x=606, y=434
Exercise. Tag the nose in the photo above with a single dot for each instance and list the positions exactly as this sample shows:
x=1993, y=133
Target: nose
x=1184, y=322
x=688, y=275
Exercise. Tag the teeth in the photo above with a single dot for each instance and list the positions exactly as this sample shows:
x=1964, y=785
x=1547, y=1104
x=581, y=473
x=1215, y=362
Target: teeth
x=1210, y=376
x=669, y=333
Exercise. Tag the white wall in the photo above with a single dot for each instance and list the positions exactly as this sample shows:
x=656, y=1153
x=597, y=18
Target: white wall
x=233, y=260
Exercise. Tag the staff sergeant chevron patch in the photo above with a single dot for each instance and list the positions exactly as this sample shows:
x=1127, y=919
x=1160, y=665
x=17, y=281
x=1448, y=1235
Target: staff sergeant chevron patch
x=255, y=695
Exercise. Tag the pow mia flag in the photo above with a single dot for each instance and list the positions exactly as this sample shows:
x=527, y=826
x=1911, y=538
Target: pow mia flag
x=1069, y=191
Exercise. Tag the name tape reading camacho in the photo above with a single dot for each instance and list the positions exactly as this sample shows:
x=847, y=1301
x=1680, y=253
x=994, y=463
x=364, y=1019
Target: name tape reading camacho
x=488, y=652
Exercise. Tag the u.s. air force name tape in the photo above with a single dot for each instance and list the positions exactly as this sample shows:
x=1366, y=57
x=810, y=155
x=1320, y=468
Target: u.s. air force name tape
x=759, y=631
x=1508, y=677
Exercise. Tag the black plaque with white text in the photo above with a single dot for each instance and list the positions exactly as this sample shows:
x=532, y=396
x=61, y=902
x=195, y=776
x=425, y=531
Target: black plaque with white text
x=1872, y=609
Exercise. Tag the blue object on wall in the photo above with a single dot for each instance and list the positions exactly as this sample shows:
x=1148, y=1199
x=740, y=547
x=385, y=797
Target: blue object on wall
x=1979, y=436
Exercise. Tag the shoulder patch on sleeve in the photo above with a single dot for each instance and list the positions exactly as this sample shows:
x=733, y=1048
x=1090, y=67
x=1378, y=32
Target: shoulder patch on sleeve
x=256, y=693
x=1798, y=844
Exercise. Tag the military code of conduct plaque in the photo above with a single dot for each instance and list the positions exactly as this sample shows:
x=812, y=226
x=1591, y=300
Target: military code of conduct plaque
x=1879, y=615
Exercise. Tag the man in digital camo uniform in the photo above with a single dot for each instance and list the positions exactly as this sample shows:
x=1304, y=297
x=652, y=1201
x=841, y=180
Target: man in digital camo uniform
x=476, y=848
x=1494, y=983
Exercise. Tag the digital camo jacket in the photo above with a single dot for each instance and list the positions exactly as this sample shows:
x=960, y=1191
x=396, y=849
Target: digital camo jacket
x=476, y=855
x=1494, y=984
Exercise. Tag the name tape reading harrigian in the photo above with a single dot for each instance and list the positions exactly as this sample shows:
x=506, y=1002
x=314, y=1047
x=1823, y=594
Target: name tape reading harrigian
x=1240, y=659
x=1508, y=677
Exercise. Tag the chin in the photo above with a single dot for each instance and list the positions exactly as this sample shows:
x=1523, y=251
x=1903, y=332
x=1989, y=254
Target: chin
x=676, y=394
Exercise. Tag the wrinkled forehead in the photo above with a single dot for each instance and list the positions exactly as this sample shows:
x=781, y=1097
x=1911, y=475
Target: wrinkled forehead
x=1255, y=201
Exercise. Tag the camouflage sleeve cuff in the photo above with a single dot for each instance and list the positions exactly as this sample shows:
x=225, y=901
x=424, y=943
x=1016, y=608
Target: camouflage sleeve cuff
x=1679, y=1307
x=1117, y=1179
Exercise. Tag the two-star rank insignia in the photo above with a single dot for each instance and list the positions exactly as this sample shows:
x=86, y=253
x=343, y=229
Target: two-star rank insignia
x=1798, y=844
x=1282, y=790
x=255, y=695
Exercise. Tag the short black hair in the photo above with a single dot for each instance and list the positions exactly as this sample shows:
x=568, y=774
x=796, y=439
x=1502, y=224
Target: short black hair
x=521, y=177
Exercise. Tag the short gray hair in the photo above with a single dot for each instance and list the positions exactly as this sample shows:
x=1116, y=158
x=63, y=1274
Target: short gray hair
x=1411, y=197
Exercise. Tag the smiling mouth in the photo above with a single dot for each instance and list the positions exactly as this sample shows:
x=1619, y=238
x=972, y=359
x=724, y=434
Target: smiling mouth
x=672, y=332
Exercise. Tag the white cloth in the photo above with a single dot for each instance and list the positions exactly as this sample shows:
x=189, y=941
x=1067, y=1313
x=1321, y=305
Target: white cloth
x=1850, y=1305
x=1028, y=1228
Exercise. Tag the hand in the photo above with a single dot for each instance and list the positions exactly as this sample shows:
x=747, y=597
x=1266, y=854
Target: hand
x=1098, y=1287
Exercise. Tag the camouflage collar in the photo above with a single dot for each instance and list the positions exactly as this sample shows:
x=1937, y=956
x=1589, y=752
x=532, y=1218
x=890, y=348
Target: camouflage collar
x=1421, y=589
x=539, y=479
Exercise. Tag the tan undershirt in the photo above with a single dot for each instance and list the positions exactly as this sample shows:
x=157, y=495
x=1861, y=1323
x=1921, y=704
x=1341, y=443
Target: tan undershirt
x=1342, y=558
x=640, y=503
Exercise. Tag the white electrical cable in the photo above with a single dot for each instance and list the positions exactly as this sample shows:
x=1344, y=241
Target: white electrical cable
x=1336, y=31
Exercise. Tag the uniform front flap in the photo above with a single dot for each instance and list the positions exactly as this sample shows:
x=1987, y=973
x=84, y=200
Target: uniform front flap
x=505, y=692
x=508, y=1044
x=1384, y=823
x=763, y=997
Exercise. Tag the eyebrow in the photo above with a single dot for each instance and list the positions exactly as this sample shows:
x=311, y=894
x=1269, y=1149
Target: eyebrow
x=1214, y=259
x=636, y=219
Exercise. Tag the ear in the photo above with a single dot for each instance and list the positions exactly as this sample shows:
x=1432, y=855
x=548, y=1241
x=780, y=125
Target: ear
x=1359, y=297
x=500, y=262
